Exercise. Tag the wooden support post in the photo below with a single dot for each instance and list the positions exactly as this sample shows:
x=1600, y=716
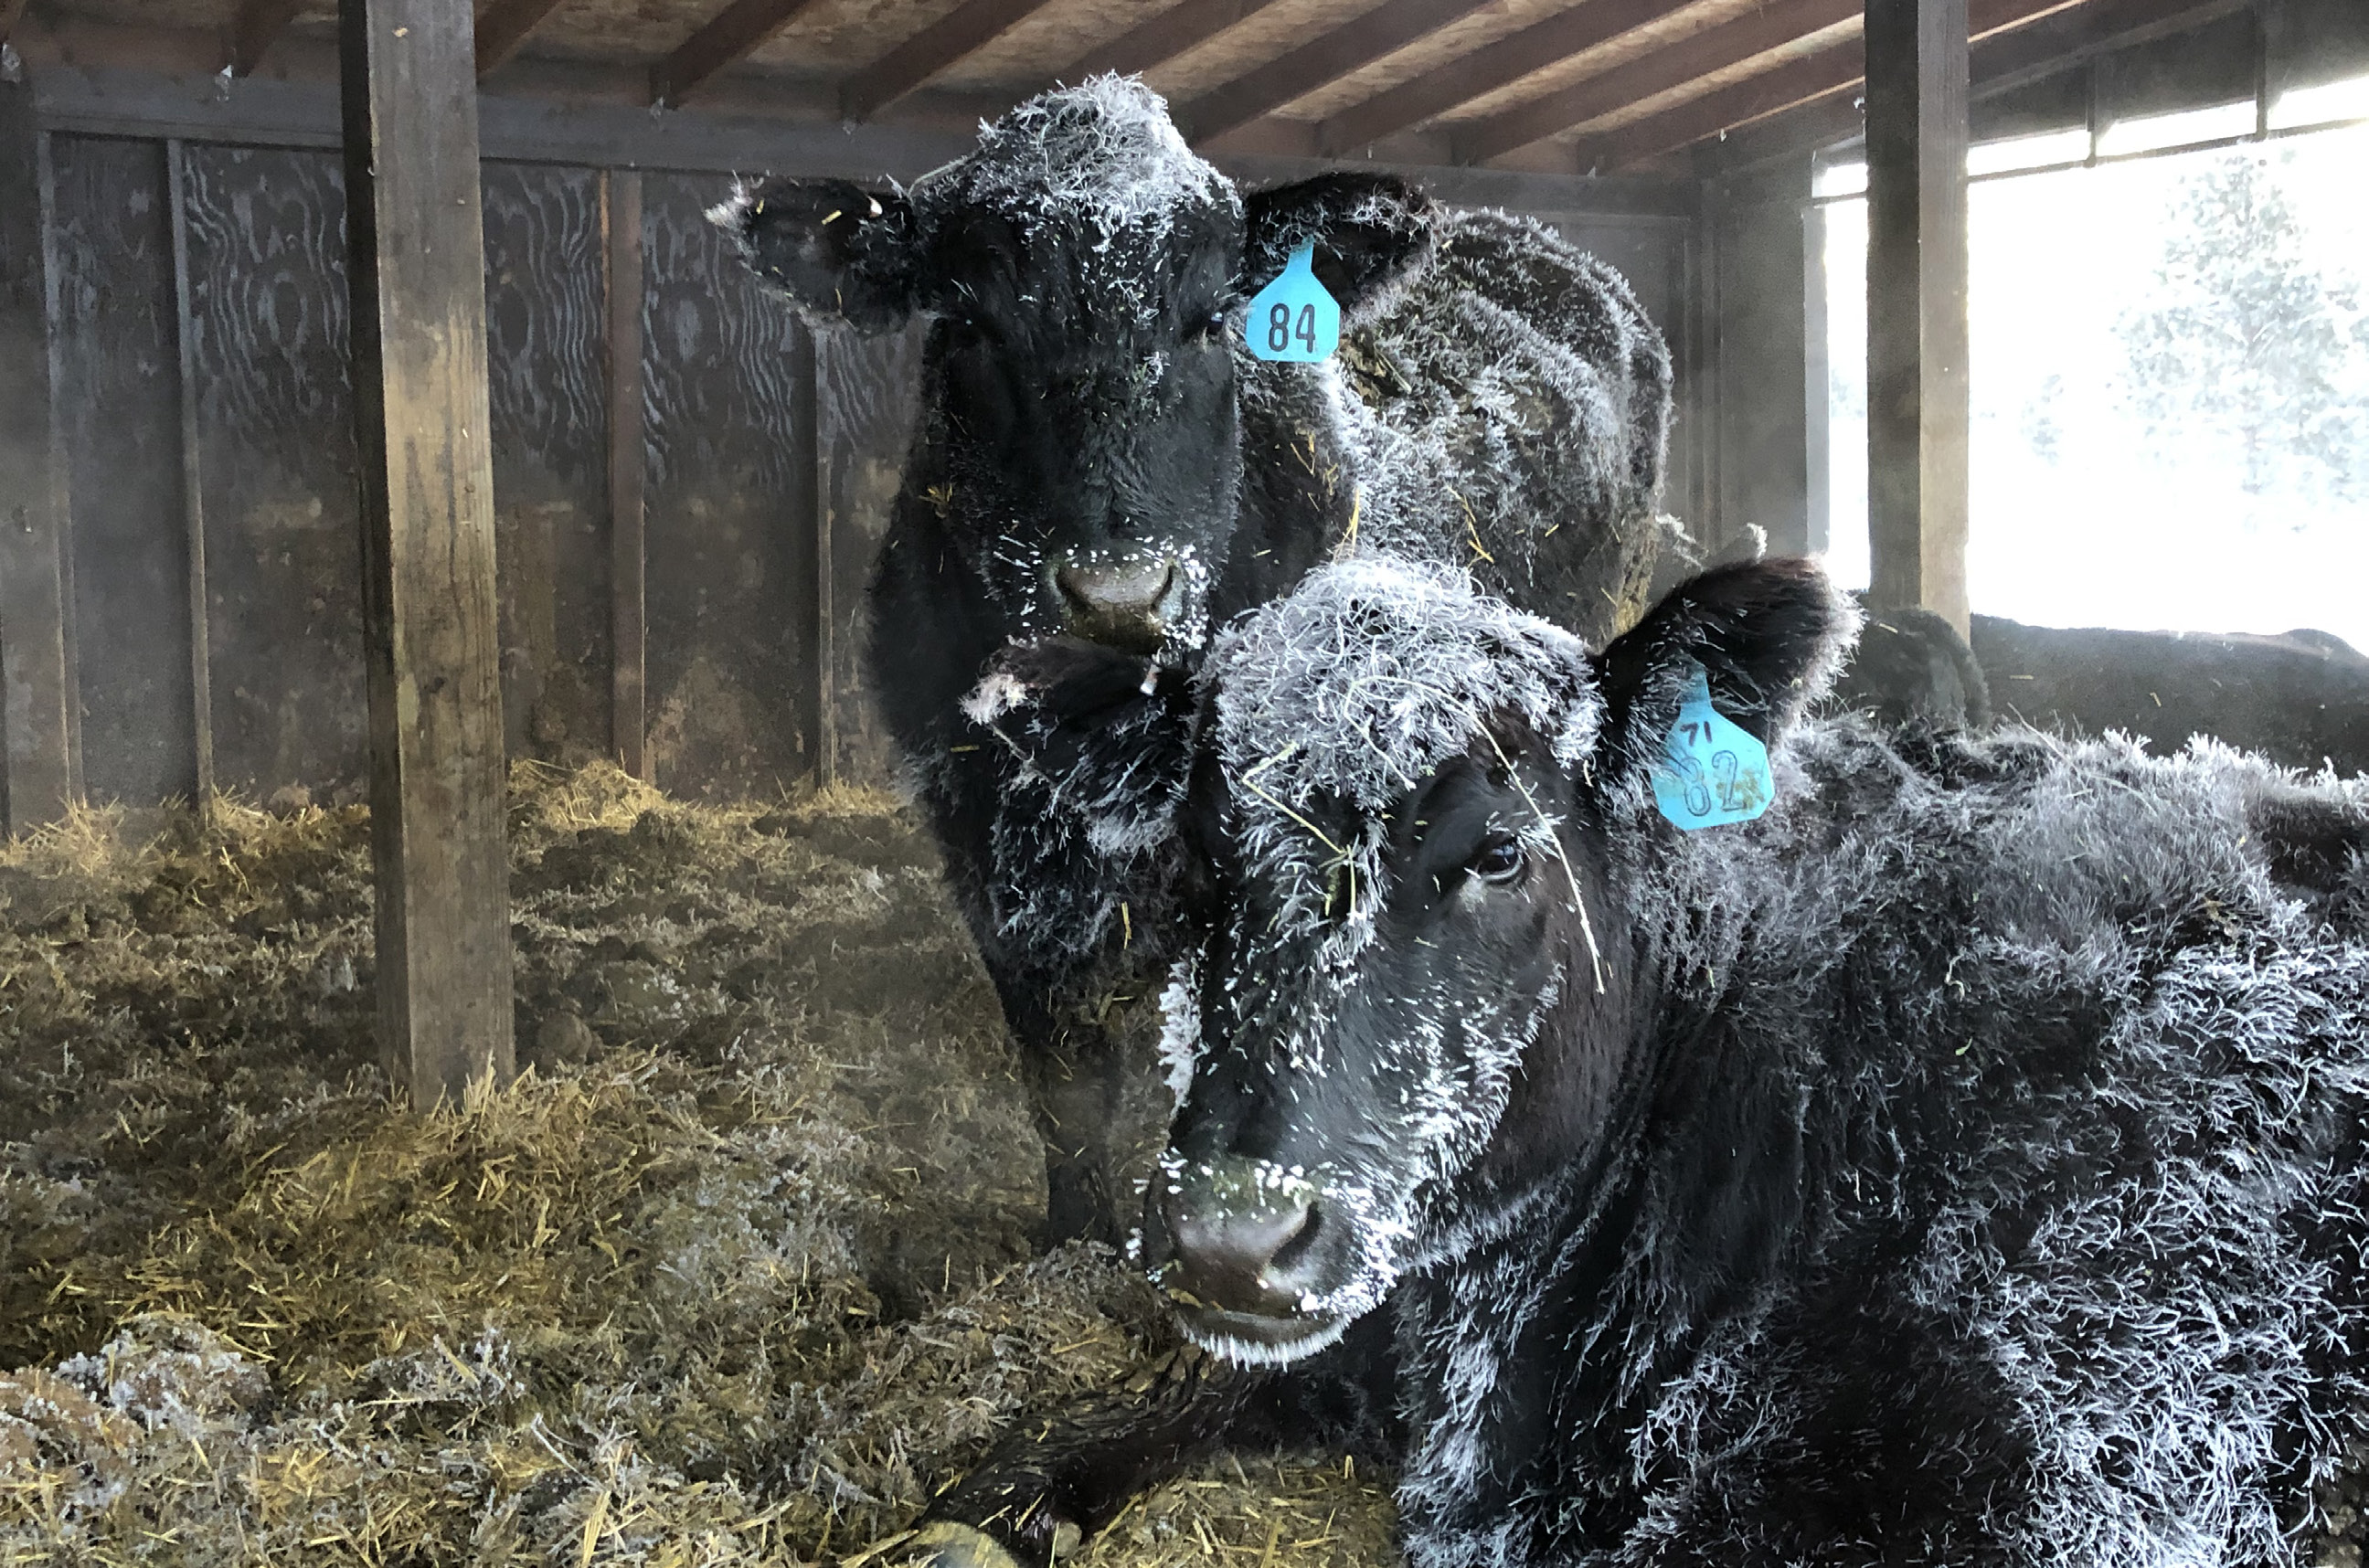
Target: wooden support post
x=1917, y=350
x=621, y=227
x=193, y=505
x=417, y=272
x=35, y=671
x=1817, y=393
x=826, y=642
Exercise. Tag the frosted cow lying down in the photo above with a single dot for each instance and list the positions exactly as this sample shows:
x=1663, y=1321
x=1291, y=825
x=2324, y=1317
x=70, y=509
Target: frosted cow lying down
x=1959, y=1164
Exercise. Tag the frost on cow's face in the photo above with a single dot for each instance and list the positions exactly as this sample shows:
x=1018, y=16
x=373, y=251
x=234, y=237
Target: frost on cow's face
x=1380, y=799
x=1084, y=272
x=1424, y=813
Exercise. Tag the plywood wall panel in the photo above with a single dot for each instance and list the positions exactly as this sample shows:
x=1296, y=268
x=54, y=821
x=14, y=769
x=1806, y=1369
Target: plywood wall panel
x=727, y=381
x=118, y=403
x=275, y=420
x=868, y=396
x=543, y=307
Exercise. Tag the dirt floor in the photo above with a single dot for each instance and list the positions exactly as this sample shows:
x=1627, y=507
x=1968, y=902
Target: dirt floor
x=738, y=1271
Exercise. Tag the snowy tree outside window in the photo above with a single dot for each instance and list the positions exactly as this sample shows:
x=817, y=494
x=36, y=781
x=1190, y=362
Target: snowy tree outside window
x=2171, y=381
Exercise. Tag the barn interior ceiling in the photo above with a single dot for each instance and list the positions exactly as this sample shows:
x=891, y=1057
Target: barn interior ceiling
x=1547, y=85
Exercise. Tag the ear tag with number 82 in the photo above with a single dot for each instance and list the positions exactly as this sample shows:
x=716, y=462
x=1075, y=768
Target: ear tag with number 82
x=1712, y=772
x=1293, y=317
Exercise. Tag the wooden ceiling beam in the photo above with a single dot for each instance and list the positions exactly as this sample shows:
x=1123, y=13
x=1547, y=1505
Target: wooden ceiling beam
x=966, y=31
x=1811, y=77
x=1174, y=32
x=1716, y=48
x=1385, y=30
x=730, y=36
x=258, y=27
x=11, y=13
x=504, y=26
x=1485, y=70
x=1795, y=82
x=2001, y=63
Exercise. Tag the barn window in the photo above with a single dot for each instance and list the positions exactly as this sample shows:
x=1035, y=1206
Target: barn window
x=2170, y=369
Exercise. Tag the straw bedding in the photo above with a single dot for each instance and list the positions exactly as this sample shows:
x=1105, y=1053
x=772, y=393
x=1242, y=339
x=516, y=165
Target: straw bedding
x=738, y=1271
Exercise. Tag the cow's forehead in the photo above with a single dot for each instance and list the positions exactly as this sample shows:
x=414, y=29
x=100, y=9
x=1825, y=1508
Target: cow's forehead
x=1103, y=154
x=1374, y=672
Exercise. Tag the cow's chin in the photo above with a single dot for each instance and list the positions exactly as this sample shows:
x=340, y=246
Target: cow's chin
x=1253, y=1339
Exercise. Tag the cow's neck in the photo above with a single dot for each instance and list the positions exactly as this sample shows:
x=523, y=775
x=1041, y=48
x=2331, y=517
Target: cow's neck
x=1532, y=1361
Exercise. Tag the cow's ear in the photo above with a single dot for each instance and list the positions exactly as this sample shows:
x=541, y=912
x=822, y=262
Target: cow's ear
x=840, y=252
x=1370, y=230
x=1769, y=636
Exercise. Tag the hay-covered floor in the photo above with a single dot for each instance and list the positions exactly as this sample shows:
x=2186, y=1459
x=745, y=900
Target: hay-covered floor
x=737, y=1272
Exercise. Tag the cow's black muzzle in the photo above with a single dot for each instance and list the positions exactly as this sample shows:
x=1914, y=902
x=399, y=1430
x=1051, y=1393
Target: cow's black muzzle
x=1246, y=1250
x=1128, y=602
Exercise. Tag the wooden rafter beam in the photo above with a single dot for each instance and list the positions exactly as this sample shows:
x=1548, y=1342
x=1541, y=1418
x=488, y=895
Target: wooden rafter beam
x=1486, y=70
x=1173, y=33
x=730, y=36
x=258, y=27
x=504, y=26
x=1999, y=63
x=1835, y=70
x=1795, y=82
x=2077, y=33
x=966, y=31
x=1717, y=48
x=11, y=13
x=1385, y=30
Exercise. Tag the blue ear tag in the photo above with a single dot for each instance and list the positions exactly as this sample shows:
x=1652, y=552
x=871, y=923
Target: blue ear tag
x=1712, y=772
x=1293, y=317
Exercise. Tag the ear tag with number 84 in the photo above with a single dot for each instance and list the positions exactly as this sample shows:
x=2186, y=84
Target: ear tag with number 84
x=1293, y=317
x=1712, y=772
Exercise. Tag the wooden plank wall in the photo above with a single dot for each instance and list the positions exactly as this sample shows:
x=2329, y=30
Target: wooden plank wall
x=546, y=376
x=276, y=471
x=119, y=413
x=37, y=739
x=208, y=442
x=866, y=395
x=727, y=399
x=218, y=394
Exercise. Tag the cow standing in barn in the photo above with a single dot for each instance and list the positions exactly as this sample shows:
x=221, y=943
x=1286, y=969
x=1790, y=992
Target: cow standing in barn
x=1959, y=1163
x=1099, y=460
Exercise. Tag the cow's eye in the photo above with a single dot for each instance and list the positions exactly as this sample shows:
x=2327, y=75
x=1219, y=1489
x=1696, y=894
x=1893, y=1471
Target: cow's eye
x=1209, y=328
x=1499, y=861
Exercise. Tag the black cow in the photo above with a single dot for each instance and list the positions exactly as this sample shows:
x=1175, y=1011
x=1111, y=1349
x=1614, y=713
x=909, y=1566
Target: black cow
x=1099, y=459
x=1963, y=1163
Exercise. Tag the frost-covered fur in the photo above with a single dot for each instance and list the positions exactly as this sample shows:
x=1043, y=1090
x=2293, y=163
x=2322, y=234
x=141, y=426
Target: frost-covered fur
x=1501, y=402
x=1961, y=1164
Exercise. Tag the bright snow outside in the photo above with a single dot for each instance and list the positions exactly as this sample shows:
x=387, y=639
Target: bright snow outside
x=2171, y=388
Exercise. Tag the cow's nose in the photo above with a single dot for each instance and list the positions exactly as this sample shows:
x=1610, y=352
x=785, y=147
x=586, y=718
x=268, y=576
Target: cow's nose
x=1123, y=602
x=1243, y=1260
